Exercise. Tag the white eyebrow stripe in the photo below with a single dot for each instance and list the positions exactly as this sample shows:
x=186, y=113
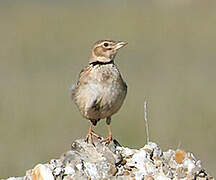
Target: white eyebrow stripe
x=103, y=43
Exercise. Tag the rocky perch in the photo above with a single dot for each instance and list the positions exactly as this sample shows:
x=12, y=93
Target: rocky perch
x=115, y=162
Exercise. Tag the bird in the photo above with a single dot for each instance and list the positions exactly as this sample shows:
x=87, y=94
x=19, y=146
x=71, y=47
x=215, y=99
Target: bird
x=100, y=90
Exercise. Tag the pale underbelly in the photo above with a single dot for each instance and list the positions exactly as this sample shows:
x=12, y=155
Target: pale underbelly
x=101, y=101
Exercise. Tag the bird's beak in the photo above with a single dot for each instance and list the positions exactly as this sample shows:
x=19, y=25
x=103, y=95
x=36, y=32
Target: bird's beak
x=120, y=44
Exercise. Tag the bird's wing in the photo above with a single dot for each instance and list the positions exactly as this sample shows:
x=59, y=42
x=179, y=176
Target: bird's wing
x=81, y=79
x=72, y=90
x=83, y=76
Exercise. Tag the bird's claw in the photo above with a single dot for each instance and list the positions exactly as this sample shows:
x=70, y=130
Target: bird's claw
x=89, y=137
x=107, y=140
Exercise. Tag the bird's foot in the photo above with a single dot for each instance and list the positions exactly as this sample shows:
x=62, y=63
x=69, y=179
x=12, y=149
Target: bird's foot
x=89, y=137
x=95, y=135
x=108, y=139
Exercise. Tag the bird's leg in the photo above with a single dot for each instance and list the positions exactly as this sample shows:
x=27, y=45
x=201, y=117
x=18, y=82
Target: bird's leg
x=96, y=135
x=94, y=122
x=109, y=138
x=90, y=134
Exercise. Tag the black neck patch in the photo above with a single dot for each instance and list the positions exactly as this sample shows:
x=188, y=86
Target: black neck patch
x=101, y=63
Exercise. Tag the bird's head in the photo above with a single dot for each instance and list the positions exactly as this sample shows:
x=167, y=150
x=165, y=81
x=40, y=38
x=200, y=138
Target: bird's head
x=104, y=51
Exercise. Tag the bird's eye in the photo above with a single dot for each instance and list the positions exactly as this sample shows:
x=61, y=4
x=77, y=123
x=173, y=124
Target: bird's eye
x=106, y=44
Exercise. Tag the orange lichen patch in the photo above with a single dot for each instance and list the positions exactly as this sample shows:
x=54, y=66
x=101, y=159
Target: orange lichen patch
x=36, y=174
x=126, y=173
x=158, y=163
x=179, y=156
x=41, y=172
x=123, y=162
x=155, y=158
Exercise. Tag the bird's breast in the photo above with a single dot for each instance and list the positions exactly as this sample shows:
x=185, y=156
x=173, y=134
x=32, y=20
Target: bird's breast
x=112, y=89
x=102, y=92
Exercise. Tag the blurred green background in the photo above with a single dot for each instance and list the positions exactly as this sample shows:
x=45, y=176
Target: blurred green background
x=170, y=61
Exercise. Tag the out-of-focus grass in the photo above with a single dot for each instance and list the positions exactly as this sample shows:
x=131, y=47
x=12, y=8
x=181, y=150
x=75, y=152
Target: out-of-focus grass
x=170, y=61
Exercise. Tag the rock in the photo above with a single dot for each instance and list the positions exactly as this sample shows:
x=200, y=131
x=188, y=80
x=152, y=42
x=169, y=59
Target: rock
x=115, y=162
x=42, y=172
x=148, y=178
